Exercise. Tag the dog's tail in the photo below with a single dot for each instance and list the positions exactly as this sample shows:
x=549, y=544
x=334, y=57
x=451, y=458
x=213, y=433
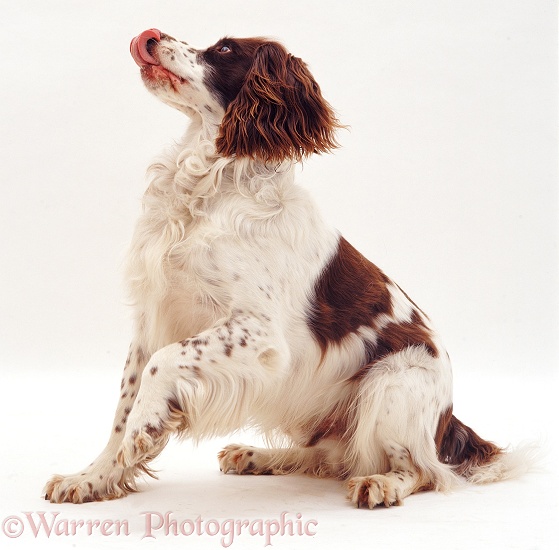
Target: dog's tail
x=477, y=460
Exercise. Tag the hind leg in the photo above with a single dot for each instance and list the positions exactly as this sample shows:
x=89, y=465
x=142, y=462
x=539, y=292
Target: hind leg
x=397, y=409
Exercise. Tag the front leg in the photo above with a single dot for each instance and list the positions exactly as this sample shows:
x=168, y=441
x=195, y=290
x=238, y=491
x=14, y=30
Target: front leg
x=205, y=386
x=104, y=479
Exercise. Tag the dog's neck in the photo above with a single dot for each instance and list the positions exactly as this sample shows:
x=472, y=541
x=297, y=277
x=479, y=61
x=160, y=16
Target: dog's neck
x=190, y=177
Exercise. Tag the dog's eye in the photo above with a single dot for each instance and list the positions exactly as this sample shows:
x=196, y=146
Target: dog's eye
x=224, y=49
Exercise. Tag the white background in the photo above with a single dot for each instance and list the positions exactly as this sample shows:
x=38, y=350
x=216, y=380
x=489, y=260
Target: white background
x=447, y=179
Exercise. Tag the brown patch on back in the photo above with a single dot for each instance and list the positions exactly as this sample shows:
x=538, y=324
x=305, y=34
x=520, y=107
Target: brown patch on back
x=459, y=446
x=350, y=293
x=395, y=337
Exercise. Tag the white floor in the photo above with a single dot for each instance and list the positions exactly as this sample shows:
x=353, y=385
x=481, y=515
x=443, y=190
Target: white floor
x=53, y=423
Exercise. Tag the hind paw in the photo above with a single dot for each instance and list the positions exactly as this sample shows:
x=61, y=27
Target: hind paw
x=370, y=491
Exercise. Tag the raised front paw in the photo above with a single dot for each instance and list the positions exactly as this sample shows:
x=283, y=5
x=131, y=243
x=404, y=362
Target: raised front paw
x=139, y=446
x=370, y=491
x=243, y=459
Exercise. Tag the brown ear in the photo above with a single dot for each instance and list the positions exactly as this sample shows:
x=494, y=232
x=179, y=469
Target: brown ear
x=279, y=112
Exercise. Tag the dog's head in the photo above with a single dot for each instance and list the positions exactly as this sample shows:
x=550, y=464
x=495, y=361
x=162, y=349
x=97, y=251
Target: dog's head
x=265, y=102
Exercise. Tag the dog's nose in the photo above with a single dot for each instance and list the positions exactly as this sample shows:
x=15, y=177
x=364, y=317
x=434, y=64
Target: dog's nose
x=141, y=47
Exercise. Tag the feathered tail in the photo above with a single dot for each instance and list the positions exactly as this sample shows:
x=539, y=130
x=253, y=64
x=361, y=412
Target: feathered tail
x=481, y=461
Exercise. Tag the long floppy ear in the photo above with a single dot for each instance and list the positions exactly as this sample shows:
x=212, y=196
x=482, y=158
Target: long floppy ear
x=279, y=112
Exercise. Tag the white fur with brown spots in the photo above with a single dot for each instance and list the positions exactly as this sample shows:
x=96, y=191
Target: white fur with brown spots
x=251, y=311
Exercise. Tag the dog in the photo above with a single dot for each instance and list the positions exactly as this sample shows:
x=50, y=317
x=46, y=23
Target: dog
x=251, y=311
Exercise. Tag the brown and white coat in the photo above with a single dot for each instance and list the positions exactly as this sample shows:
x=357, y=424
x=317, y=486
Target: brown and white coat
x=251, y=311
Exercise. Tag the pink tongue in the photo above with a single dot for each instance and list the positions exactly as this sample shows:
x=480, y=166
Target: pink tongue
x=139, y=50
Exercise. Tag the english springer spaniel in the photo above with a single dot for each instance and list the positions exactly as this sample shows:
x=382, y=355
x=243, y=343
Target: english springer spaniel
x=250, y=311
